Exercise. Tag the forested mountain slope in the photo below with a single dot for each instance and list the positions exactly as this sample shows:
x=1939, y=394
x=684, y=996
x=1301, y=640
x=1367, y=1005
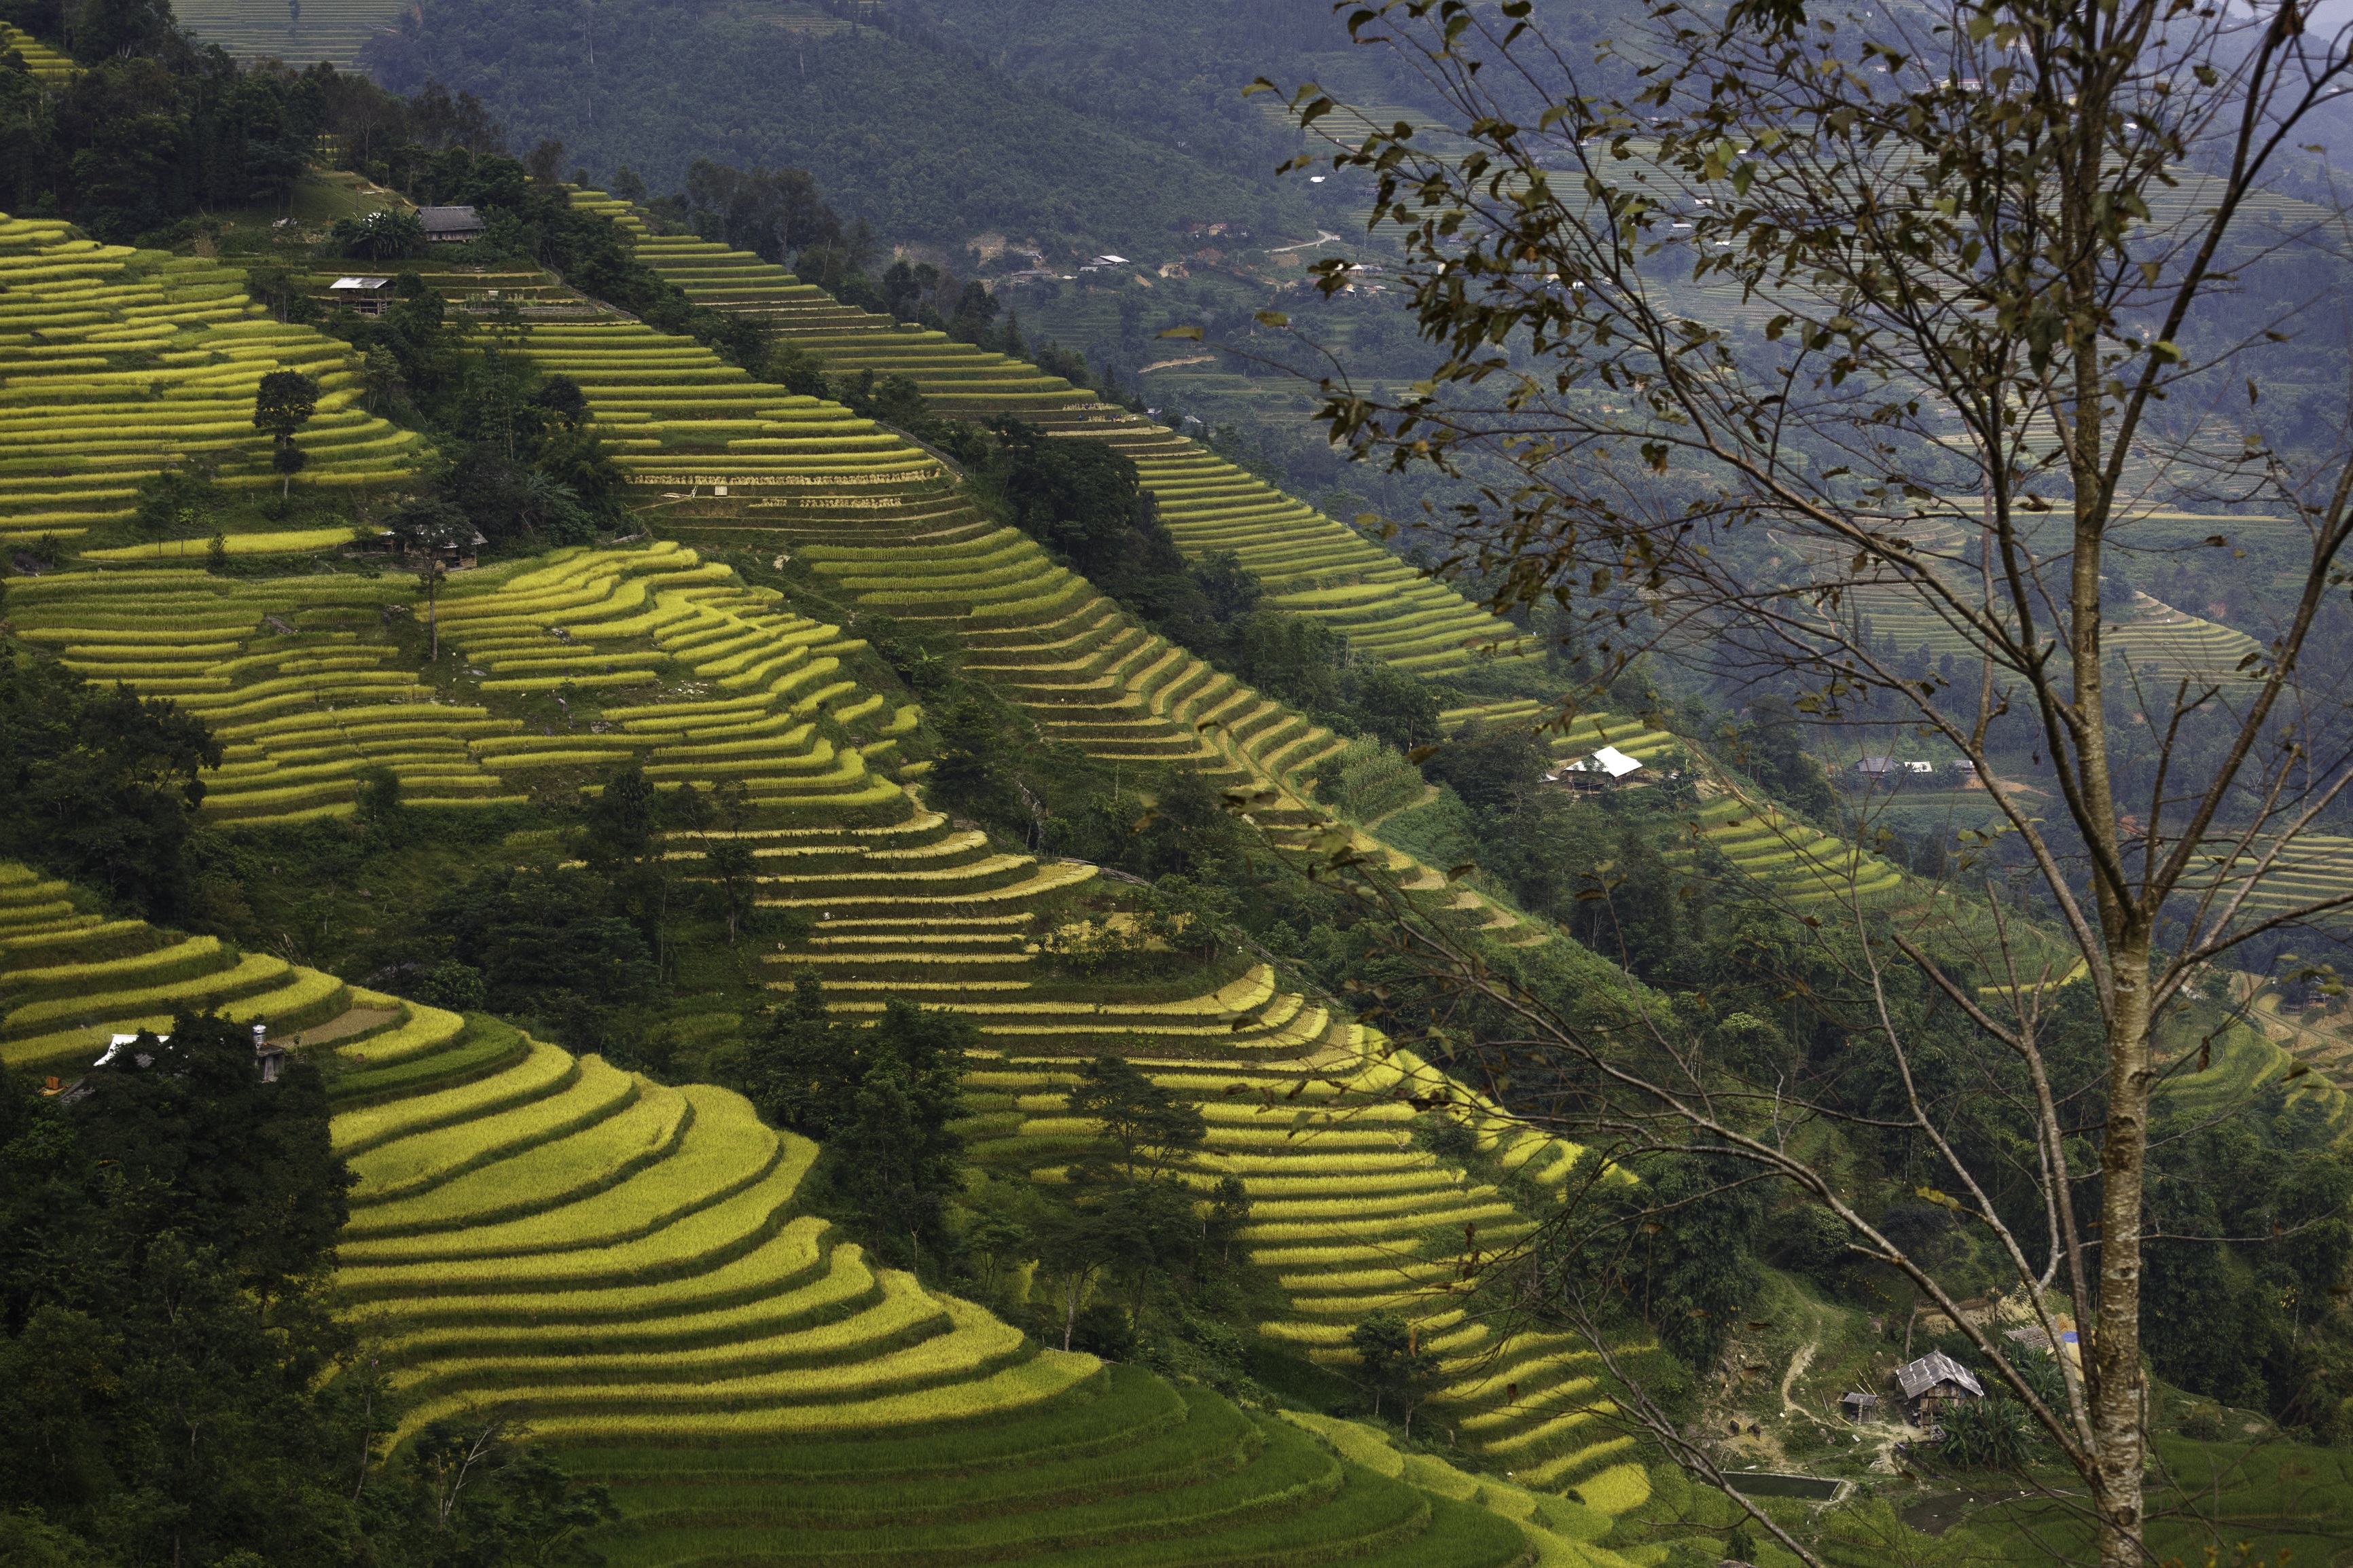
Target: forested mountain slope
x=655, y=87
x=121, y=361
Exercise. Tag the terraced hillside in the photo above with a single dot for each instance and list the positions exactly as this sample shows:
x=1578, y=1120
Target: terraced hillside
x=669, y=661
x=302, y=680
x=557, y=669
x=2317, y=865
x=1588, y=733
x=2241, y=1063
x=2149, y=634
x=957, y=378
x=1795, y=863
x=330, y=31
x=71, y=978
x=115, y=364
x=1350, y=1213
x=745, y=464
x=1311, y=564
x=623, y=1261
x=474, y=288
x=48, y=67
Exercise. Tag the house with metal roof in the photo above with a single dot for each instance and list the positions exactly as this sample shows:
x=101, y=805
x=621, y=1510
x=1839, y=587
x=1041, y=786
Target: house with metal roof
x=1932, y=1383
x=365, y=294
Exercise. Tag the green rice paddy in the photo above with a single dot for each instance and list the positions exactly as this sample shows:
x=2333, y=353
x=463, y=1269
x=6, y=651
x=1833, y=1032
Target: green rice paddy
x=116, y=363
x=1795, y=863
x=495, y=1169
x=298, y=677
x=72, y=978
x=2147, y=633
x=1586, y=734
x=624, y=1262
x=48, y=67
x=1311, y=564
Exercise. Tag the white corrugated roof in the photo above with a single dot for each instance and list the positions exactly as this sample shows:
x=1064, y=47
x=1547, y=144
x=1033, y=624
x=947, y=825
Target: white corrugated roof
x=1932, y=1369
x=359, y=283
x=1615, y=762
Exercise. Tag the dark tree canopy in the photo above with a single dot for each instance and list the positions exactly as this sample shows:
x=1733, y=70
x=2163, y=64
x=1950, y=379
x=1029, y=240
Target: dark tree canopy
x=102, y=785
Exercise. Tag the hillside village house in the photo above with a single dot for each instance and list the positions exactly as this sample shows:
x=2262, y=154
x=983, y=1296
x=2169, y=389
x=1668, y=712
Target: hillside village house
x=450, y=226
x=1890, y=770
x=1931, y=1383
x=1861, y=1407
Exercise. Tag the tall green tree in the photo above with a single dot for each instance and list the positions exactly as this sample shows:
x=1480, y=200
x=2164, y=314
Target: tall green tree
x=176, y=1385
x=429, y=529
x=900, y=1159
x=1148, y=1130
x=1394, y=1363
x=172, y=501
x=283, y=405
x=802, y=1070
x=162, y=1293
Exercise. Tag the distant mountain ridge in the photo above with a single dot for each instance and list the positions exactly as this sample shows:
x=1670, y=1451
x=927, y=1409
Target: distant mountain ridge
x=924, y=142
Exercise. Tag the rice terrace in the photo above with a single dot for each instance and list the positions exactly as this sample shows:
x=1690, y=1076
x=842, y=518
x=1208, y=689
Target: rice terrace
x=847, y=782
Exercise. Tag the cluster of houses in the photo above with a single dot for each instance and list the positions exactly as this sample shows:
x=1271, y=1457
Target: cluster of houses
x=369, y=294
x=1924, y=1391
x=1898, y=769
x=269, y=1059
x=1604, y=768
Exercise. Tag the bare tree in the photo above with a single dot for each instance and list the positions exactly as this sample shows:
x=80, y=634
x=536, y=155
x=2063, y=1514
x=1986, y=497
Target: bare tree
x=1762, y=324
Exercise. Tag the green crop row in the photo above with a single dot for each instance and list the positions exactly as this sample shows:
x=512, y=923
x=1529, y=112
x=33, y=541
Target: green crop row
x=702, y=1240
x=724, y=1151
x=253, y=973
x=195, y=955
x=544, y=1070
x=427, y=1159
x=562, y=1171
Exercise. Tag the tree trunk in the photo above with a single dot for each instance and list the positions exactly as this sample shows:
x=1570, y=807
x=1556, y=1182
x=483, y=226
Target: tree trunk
x=2112, y=1359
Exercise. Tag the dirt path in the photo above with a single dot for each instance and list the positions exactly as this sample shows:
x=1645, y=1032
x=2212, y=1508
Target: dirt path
x=1797, y=1365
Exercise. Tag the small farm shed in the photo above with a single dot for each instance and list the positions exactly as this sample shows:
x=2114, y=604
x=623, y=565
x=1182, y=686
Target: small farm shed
x=1861, y=1407
x=1933, y=1382
x=367, y=295
x=450, y=226
x=1615, y=762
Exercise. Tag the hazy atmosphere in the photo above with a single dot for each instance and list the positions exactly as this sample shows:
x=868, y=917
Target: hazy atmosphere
x=1458, y=784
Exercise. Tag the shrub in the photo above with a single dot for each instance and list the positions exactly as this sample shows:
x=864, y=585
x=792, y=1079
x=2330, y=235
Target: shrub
x=457, y=987
x=2204, y=1423
x=1991, y=1433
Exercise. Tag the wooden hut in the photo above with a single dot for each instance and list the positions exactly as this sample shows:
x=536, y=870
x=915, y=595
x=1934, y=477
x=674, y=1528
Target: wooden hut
x=1933, y=1383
